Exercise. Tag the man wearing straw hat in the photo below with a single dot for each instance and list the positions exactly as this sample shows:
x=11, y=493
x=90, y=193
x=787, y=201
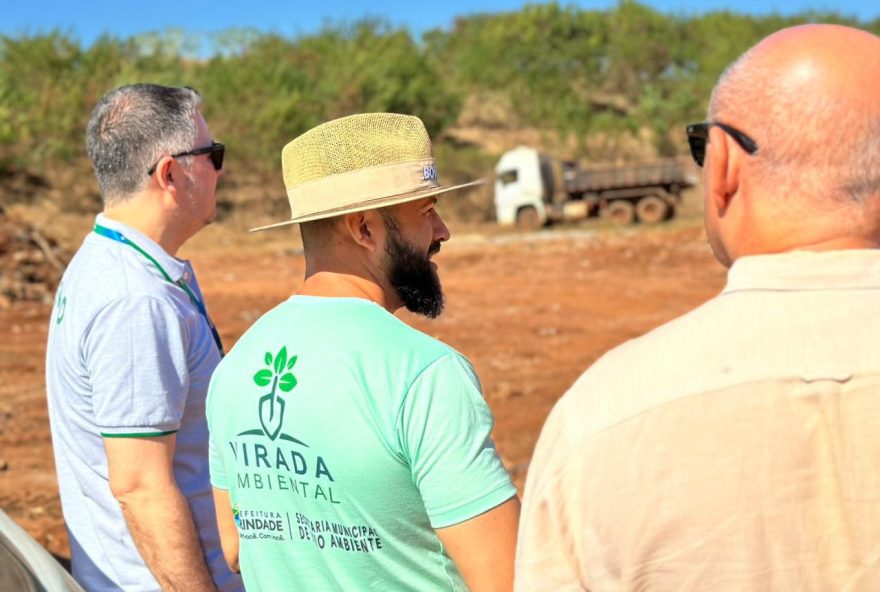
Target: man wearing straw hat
x=348, y=450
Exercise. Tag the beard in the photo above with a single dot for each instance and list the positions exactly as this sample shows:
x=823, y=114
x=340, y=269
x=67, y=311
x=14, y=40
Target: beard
x=411, y=275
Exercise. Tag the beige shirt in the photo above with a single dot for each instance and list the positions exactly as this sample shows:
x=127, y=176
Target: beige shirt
x=736, y=448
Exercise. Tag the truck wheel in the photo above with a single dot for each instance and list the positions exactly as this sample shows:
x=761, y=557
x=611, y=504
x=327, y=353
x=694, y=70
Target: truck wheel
x=652, y=209
x=527, y=218
x=621, y=212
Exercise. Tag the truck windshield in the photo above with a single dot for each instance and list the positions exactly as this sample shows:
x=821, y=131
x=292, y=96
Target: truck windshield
x=508, y=177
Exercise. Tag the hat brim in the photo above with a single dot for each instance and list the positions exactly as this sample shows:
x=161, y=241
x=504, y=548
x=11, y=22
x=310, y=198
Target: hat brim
x=373, y=204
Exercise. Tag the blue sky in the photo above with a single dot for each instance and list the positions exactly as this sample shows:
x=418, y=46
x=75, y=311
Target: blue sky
x=87, y=19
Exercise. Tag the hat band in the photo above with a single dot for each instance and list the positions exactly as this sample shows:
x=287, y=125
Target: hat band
x=360, y=186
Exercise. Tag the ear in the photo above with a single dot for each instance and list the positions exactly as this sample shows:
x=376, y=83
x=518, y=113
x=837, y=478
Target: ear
x=723, y=169
x=362, y=228
x=164, y=175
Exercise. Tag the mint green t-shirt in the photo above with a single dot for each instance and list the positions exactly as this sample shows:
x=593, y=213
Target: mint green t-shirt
x=345, y=437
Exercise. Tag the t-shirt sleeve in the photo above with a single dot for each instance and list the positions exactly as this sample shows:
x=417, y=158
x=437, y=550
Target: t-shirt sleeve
x=215, y=454
x=445, y=430
x=136, y=354
x=218, y=470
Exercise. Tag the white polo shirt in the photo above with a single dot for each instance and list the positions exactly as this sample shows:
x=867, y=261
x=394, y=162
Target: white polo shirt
x=129, y=355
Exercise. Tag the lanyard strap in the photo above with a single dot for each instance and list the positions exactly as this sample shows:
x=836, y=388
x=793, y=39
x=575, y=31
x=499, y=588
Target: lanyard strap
x=200, y=306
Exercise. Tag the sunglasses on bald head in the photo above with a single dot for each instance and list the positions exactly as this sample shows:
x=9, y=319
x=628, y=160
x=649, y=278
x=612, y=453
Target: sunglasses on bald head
x=216, y=150
x=698, y=137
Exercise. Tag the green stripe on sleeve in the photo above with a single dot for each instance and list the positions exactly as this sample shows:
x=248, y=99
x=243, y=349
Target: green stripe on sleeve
x=140, y=435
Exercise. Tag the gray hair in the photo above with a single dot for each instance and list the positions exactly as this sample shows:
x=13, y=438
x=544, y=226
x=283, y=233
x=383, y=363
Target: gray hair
x=134, y=126
x=817, y=147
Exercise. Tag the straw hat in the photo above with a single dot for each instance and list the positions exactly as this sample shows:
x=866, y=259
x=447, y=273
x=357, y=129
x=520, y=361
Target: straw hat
x=357, y=163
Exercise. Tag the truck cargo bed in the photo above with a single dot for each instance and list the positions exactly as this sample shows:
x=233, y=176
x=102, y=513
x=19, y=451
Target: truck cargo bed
x=665, y=173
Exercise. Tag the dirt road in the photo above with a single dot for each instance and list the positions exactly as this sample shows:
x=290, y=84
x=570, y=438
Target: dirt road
x=530, y=311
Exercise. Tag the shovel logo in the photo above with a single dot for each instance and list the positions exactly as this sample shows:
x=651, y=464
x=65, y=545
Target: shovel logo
x=60, y=304
x=272, y=404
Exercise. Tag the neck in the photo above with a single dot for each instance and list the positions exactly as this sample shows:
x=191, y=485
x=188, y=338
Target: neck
x=840, y=244
x=153, y=222
x=819, y=229
x=831, y=244
x=332, y=284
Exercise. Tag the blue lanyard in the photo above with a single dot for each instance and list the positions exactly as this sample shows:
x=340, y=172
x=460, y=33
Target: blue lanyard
x=200, y=306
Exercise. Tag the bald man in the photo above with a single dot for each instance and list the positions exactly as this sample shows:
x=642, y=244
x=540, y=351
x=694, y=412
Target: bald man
x=737, y=448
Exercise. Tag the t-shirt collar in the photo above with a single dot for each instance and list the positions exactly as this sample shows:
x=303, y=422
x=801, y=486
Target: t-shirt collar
x=806, y=270
x=174, y=267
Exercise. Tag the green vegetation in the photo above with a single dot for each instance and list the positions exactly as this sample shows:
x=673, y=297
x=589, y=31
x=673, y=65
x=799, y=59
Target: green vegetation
x=612, y=72
x=573, y=73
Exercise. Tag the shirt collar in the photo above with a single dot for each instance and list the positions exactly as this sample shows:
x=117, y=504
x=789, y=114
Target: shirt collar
x=174, y=267
x=806, y=270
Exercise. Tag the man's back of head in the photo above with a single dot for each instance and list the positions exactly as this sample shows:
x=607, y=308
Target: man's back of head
x=156, y=162
x=131, y=128
x=806, y=96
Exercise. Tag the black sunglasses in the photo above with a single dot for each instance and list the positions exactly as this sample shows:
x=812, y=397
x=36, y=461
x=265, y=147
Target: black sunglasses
x=216, y=150
x=698, y=137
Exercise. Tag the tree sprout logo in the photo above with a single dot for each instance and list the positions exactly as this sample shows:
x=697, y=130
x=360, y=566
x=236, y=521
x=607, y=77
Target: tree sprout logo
x=271, y=404
x=60, y=304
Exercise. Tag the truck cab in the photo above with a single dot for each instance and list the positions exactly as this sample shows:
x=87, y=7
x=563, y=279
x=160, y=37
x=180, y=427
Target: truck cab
x=523, y=188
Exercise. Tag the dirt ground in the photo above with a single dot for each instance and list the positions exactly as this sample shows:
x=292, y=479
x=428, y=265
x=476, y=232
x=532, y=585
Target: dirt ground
x=531, y=311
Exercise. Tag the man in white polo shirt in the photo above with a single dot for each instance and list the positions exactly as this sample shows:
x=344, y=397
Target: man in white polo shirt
x=737, y=448
x=131, y=351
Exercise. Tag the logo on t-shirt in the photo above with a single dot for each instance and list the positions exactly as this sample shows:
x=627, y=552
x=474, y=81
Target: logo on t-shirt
x=284, y=462
x=272, y=403
x=274, y=473
x=60, y=304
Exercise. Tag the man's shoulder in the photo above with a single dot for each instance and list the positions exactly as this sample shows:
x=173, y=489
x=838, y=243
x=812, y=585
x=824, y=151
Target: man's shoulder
x=102, y=272
x=363, y=323
x=418, y=349
x=420, y=341
x=648, y=371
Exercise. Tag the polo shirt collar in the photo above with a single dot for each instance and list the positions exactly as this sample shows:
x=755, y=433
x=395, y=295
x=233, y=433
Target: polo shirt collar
x=174, y=267
x=806, y=270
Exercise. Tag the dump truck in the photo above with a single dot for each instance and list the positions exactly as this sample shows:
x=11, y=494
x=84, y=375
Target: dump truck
x=531, y=190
